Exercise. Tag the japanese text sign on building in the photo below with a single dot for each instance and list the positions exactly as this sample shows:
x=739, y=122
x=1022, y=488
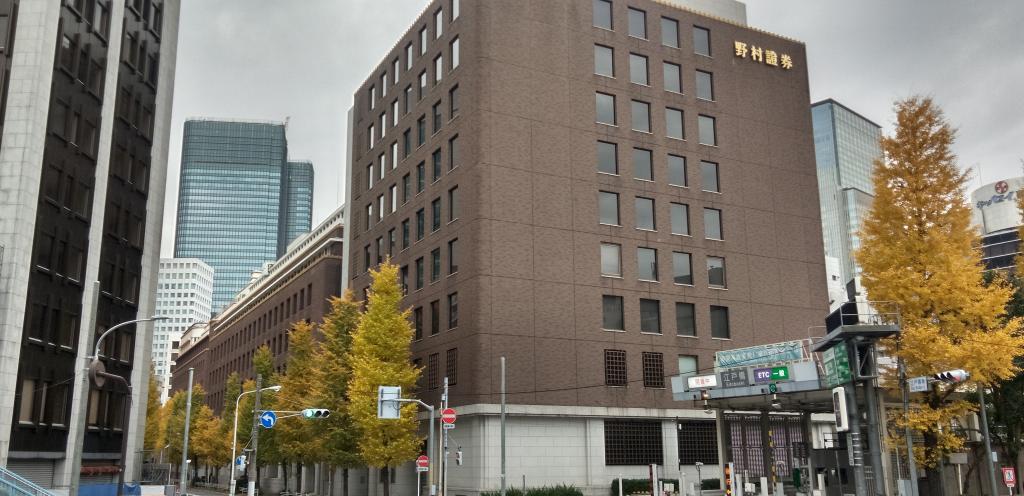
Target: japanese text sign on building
x=762, y=55
x=702, y=381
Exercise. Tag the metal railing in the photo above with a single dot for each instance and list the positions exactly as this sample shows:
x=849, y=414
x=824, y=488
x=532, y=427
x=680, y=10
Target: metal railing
x=12, y=483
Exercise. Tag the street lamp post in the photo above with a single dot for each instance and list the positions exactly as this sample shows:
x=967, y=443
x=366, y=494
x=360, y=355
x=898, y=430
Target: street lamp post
x=98, y=376
x=234, y=432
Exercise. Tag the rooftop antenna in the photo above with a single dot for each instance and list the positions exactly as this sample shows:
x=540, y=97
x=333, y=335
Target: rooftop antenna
x=286, y=119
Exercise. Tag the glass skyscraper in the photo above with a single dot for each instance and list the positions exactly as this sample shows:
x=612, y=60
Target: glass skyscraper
x=237, y=206
x=846, y=146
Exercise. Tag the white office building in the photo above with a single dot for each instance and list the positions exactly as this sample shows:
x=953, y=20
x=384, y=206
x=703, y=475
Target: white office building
x=185, y=296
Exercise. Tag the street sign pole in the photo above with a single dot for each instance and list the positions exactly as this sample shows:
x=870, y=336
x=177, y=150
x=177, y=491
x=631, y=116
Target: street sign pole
x=988, y=443
x=252, y=473
x=444, y=477
x=184, y=450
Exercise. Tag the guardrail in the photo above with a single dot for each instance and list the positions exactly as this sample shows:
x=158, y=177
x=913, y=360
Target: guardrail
x=12, y=483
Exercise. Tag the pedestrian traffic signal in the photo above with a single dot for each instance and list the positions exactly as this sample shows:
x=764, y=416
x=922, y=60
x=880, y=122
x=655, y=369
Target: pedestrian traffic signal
x=953, y=376
x=316, y=413
x=458, y=457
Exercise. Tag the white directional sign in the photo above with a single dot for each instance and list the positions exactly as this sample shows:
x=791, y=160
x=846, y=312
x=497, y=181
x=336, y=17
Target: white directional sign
x=387, y=408
x=918, y=384
x=268, y=419
x=702, y=381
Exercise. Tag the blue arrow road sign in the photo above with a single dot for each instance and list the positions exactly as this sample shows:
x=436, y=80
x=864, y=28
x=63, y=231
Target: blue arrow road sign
x=240, y=461
x=268, y=419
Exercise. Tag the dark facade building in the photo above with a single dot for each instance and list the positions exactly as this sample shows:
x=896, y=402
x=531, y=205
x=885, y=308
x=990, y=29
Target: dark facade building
x=85, y=108
x=603, y=192
x=296, y=287
x=240, y=201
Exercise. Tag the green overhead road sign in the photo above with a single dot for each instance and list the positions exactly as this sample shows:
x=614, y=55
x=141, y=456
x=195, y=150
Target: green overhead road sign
x=837, y=366
x=780, y=373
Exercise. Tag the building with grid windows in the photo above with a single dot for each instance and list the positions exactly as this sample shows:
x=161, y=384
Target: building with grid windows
x=846, y=146
x=85, y=108
x=995, y=214
x=184, y=294
x=240, y=201
x=605, y=192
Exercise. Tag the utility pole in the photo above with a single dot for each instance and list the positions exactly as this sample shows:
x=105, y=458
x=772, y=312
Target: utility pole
x=988, y=441
x=251, y=485
x=504, y=476
x=184, y=449
x=444, y=476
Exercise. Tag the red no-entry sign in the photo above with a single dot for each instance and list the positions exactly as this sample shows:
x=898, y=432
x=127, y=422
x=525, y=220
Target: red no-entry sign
x=448, y=415
x=422, y=463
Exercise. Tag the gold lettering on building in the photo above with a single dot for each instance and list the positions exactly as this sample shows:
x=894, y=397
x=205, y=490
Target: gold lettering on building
x=762, y=55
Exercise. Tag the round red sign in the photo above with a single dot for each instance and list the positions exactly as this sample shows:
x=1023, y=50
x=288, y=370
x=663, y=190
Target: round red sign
x=423, y=461
x=1002, y=187
x=448, y=415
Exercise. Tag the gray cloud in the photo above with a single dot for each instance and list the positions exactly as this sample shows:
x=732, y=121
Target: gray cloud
x=272, y=59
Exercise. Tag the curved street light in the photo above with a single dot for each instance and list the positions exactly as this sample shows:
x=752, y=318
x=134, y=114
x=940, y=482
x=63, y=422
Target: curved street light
x=234, y=432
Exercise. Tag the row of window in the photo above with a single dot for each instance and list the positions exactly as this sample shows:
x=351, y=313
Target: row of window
x=646, y=218
x=643, y=167
x=453, y=104
x=641, y=119
x=652, y=369
x=387, y=248
x=637, y=27
x=280, y=313
x=650, y=317
x=451, y=368
x=407, y=180
x=435, y=267
x=639, y=72
x=435, y=317
x=409, y=58
x=647, y=266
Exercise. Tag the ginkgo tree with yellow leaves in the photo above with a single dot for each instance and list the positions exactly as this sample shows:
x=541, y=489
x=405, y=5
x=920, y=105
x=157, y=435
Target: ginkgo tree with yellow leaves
x=920, y=251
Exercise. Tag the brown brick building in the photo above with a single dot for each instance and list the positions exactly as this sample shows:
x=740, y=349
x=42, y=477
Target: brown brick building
x=604, y=192
x=296, y=287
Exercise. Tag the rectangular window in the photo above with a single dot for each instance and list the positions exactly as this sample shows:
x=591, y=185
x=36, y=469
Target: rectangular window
x=611, y=310
x=638, y=69
x=421, y=130
x=706, y=127
x=405, y=234
x=709, y=176
x=674, y=123
x=650, y=316
x=435, y=214
x=677, y=171
x=603, y=14
x=406, y=143
x=455, y=9
x=453, y=152
x=419, y=273
x=453, y=310
x=432, y=372
x=641, y=116
x=615, y=368
x=643, y=164
x=680, y=219
x=685, y=322
x=367, y=258
x=423, y=85
x=647, y=264
x=369, y=176
x=451, y=363
x=608, y=206
x=607, y=158
x=712, y=223
x=705, y=89
x=687, y=365
x=611, y=260
x=373, y=97
x=654, y=369
x=453, y=102
x=606, y=109
x=384, y=85
x=453, y=256
x=435, y=264
x=417, y=326
x=669, y=32
x=380, y=249
x=408, y=56
x=438, y=68
x=453, y=204
x=701, y=41
x=637, y=23
x=421, y=176
x=435, y=165
x=716, y=272
x=423, y=40
x=394, y=198
x=697, y=441
x=633, y=442
x=673, y=79
x=682, y=268
x=394, y=114
x=604, y=61
x=403, y=278
x=435, y=317
x=407, y=96
x=435, y=112
x=380, y=207
x=454, y=47
x=420, y=224
x=406, y=188
x=369, y=216
x=28, y=400
x=644, y=208
x=438, y=23
x=720, y=322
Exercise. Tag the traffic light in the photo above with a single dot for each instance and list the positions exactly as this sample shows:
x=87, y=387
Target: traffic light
x=953, y=376
x=458, y=457
x=316, y=413
x=839, y=405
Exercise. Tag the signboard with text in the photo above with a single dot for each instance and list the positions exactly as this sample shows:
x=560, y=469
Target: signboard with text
x=702, y=381
x=837, y=366
x=735, y=378
x=788, y=351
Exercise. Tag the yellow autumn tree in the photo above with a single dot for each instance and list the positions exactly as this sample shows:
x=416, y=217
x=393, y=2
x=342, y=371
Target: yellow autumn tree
x=919, y=251
x=380, y=356
x=296, y=437
x=154, y=434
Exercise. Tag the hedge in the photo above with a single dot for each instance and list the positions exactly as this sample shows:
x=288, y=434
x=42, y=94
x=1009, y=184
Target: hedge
x=559, y=490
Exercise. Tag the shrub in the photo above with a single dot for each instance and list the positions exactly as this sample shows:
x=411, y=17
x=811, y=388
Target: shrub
x=559, y=490
x=631, y=486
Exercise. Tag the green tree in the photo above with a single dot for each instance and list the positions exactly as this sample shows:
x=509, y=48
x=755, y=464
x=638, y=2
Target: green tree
x=380, y=355
x=154, y=436
x=918, y=250
x=232, y=388
x=338, y=440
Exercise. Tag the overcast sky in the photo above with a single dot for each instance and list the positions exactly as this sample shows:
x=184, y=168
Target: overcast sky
x=302, y=60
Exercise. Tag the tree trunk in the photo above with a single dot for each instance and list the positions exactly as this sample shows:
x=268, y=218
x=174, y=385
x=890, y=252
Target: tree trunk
x=344, y=478
x=387, y=480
